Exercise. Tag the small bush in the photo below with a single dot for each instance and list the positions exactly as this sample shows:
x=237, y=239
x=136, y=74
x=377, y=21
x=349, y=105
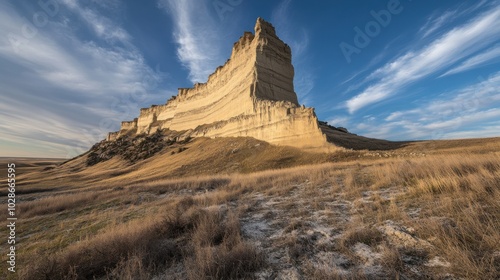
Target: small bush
x=219, y=252
x=366, y=235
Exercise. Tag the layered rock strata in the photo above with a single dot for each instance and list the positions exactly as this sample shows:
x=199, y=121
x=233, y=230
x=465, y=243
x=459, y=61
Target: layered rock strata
x=252, y=95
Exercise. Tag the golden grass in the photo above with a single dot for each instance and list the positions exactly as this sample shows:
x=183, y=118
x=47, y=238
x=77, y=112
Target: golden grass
x=55, y=204
x=207, y=242
x=459, y=196
x=137, y=230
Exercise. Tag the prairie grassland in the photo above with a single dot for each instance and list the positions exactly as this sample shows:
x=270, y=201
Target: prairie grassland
x=386, y=215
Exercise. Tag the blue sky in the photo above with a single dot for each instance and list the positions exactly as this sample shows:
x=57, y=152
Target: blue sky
x=72, y=70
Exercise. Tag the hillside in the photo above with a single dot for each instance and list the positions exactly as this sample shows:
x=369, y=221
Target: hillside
x=427, y=210
x=341, y=138
x=206, y=156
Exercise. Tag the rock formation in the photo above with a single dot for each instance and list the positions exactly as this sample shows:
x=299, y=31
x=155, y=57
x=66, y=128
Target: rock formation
x=251, y=95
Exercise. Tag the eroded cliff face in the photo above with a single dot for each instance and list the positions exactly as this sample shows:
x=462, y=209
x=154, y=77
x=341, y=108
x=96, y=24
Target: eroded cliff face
x=251, y=95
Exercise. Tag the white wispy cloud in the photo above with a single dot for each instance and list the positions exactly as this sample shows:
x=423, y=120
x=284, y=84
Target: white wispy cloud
x=490, y=130
x=340, y=121
x=394, y=116
x=476, y=97
x=435, y=23
x=197, y=35
x=458, y=121
x=103, y=27
x=62, y=92
x=446, y=116
x=454, y=45
x=108, y=4
x=489, y=56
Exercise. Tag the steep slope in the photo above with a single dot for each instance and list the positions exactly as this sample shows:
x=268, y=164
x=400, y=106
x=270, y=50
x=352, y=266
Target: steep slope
x=347, y=140
x=139, y=160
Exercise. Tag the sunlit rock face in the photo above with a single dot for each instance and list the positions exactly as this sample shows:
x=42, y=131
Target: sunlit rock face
x=251, y=95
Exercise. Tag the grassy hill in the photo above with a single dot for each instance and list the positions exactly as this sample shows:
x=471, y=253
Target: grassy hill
x=241, y=208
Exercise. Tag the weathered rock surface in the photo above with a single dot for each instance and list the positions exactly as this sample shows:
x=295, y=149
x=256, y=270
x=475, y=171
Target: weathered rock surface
x=252, y=94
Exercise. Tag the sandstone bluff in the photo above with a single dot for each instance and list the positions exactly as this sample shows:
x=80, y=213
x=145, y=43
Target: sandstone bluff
x=251, y=95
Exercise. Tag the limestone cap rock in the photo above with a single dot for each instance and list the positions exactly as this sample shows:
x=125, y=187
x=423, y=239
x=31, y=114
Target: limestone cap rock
x=251, y=95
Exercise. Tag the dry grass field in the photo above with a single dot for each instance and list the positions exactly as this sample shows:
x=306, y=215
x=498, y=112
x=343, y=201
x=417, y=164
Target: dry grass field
x=234, y=208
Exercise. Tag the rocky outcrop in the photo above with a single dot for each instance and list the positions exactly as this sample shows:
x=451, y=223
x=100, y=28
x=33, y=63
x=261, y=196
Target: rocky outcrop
x=252, y=95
